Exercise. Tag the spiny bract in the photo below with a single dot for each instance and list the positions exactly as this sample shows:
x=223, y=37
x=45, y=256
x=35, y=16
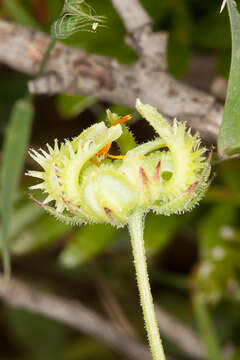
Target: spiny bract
x=77, y=15
x=167, y=175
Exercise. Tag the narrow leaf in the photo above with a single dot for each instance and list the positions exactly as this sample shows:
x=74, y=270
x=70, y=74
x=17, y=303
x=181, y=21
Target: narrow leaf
x=39, y=235
x=21, y=218
x=13, y=158
x=87, y=243
x=159, y=231
x=70, y=106
x=229, y=136
x=207, y=329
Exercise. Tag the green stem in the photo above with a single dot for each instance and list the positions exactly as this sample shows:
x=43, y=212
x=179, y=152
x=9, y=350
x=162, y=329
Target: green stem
x=136, y=232
x=207, y=329
x=6, y=258
x=46, y=56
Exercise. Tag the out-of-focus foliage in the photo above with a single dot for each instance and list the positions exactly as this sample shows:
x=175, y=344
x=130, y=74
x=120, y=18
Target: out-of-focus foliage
x=219, y=238
x=198, y=252
x=13, y=158
x=19, y=13
x=83, y=245
x=49, y=338
x=229, y=135
x=72, y=106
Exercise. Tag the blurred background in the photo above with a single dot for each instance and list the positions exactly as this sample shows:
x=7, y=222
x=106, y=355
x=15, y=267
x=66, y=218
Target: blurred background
x=193, y=253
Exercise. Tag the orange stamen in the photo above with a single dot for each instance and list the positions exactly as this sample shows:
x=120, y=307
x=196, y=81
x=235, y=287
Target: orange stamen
x=122, y=120
x=97, y=163
x=107, y=147
x=121, y=156
x=104, y=150
x=115, y=156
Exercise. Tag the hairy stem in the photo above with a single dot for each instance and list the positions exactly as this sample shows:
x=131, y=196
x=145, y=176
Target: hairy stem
x=46, y=56
x=136, y=232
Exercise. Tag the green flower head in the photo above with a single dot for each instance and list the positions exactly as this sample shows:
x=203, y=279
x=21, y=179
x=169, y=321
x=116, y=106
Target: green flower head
x=85, y=183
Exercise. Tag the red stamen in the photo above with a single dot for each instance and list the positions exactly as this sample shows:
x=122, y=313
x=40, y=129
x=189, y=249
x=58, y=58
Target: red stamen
x=57, y=172
x=143, y=175
x=210, y=154
x=156, y=176
x=211, y=178
x=108, y=211
x=39, y=203
x=71, y=206
x=192, y=187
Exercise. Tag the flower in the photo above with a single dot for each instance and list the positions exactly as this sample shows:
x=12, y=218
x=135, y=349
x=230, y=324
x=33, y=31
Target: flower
x=167, y=175
x=76, y=16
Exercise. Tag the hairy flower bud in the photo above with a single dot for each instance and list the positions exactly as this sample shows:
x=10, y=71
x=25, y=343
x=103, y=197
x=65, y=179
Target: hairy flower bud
x=76, y=16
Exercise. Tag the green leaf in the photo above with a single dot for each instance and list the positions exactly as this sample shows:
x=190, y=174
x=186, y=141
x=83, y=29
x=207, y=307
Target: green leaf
x=159, y=231
x=40, y=337
x=38, y=235
x=179, y=39
x=13, y=87
x=219, y=244
x=229, y=136
x=177, y=65
x=21, y=218
x=207, y=329
x=87, y=243
x=237, y=354
x=210, y=228
x=13, y=157
x=54, y=9
x=71, y=106
x=88, y=349
x=18, y=13
x=126, y=142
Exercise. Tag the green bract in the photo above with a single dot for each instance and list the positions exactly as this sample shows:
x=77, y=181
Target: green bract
x=76, y=16
x=167, y=175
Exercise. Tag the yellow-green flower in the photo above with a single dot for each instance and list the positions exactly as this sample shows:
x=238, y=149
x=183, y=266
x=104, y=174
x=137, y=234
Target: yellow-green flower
x=167, y=175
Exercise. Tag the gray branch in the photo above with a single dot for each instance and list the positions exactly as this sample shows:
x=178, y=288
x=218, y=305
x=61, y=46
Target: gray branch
x=77, y=72
x=149, y=45
x=18, y=294
x=73, y=313
x=180, y=334
x=133, y=15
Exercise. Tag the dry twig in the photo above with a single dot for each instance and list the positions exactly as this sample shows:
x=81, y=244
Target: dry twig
x=180, y=334
x=72, y=313
x=77, y=72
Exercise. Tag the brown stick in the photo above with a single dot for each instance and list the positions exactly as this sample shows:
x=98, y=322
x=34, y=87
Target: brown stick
x=17, y=293
x=77, y=72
